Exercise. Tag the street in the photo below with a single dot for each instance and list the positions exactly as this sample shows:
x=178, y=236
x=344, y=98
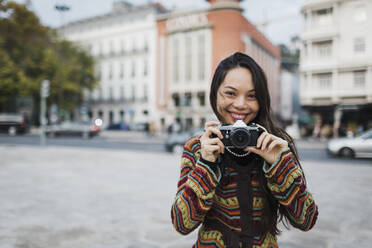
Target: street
x=84, y=193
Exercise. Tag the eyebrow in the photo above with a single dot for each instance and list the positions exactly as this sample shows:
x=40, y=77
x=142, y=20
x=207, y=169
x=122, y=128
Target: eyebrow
x=230, y=87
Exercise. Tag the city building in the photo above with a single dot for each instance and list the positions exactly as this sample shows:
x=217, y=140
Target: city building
x=336, y=63
x=123, y=42
x=191, y=44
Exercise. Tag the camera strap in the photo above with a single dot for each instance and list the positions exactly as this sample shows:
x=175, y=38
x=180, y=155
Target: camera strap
x=245, y=198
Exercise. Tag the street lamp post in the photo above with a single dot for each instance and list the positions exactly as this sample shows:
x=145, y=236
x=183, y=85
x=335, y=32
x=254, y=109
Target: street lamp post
x=44, y=93
x=62, y=8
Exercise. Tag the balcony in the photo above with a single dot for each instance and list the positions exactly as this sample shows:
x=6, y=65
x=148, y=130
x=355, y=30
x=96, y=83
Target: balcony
x=133, y=52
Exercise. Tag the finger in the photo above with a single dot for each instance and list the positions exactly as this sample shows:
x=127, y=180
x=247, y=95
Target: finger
x=266, y=141
x=213, y=130
x=260, y=139
x=211, y=123
x=212, y=148
x=254, y=150
x=213, y=141
x=216, y=141
x=273, y=144
x=221, y=145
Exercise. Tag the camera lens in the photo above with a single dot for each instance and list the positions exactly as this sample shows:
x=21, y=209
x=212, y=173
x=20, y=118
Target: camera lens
x=240, y=138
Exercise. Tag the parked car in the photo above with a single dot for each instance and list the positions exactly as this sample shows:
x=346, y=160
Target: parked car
x=118, y=126
x=13, y=124
x=174, y=142
x=359, y=146
x=68, y=128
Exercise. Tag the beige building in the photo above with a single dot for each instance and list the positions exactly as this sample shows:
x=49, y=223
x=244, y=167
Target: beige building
x=123, y=43
x=190, y=46
x=336, y=62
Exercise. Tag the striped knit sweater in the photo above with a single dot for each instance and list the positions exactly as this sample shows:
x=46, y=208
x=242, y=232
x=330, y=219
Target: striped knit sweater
x=200, y=196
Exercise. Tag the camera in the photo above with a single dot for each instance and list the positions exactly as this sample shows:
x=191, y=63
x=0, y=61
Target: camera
x=239, y=135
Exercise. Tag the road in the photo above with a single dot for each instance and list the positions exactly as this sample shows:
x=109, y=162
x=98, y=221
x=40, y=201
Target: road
x=137, y=141
x=81, y=193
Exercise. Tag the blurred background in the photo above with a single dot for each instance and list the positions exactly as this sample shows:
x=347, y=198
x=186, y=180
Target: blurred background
x=91, y=91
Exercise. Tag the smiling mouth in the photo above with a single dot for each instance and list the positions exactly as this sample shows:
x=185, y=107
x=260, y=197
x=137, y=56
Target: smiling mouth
x=238, y=116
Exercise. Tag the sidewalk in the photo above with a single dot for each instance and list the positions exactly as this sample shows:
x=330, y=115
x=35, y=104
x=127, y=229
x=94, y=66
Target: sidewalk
x=65, y=197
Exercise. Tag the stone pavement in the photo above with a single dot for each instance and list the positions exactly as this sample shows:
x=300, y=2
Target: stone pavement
x=82, y=197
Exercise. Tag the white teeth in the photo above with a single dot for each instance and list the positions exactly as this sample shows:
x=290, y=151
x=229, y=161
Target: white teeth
x=236, y=116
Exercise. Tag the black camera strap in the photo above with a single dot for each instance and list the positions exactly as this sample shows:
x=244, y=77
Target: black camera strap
x=245, y=195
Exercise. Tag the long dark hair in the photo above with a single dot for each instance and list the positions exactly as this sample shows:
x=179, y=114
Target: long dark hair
x=273, y=211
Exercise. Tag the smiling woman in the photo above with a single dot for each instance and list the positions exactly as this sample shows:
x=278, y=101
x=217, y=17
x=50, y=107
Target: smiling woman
x=236, y=97
x=239, y=196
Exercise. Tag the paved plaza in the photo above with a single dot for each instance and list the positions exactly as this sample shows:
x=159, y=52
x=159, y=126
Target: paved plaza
x=87, y=197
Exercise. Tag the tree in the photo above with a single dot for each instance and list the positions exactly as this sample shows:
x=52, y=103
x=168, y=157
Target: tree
x=30, y=53
x=289, y=57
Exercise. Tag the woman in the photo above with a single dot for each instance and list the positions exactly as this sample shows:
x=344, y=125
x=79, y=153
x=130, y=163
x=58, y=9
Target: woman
x=239, y=196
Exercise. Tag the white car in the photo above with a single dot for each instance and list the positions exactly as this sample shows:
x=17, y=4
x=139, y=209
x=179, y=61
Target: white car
x=359, y=146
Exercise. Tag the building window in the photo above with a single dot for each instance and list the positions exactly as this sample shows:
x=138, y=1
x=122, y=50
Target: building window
x=122, y=47
x=201, y=56
x=100, y=94
x=121, y=114
x=188, y=99
x=324, y=80
x=324, y=49
x=175, y=60
x=145, y=68
x=202, y=122
x=121, y=70
x=112, y=48
x=99, y=73
x=133, y=74
x=122, y=93
x=133, y=92
x=111, y=117
x=100, y=114
x=323, y=17
x=359, y=45
x=359, y=79
x=201, y=97
x=305, y=50
x=176, y=100
x=188, y=58
x=146, y=45
x=360, y=14
x=189, y=124
x=111, y=71
x=145, y=92
x=134, y=45
x=111, y=93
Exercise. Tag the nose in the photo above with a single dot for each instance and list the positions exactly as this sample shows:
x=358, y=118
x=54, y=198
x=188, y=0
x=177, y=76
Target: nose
x=239, y=102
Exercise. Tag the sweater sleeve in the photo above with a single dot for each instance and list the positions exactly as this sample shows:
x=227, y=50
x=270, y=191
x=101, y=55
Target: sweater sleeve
x=286, y=182
x=196, y=188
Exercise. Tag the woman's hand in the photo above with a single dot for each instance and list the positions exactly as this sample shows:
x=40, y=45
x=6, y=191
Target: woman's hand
x=211, y=147
x=269, y=147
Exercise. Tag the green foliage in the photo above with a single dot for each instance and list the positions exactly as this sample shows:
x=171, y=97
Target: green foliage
x=31, y=52
x=290, y=59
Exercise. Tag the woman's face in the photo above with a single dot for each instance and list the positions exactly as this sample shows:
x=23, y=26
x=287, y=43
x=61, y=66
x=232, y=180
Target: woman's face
x=236, y=97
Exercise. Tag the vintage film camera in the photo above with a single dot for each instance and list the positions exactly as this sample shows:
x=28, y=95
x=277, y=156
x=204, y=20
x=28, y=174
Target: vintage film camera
x=239, y=135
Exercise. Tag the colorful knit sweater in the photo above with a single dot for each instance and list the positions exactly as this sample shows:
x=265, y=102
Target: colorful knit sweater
x=201, y=196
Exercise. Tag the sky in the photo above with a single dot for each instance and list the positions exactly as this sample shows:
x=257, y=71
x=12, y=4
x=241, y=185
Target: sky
x=283, y=16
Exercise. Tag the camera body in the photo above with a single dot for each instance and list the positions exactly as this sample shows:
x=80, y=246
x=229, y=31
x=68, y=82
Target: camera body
x=239, y=135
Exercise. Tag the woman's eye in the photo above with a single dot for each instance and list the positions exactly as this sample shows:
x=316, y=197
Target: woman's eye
x=229, y=93
x=252, y=96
